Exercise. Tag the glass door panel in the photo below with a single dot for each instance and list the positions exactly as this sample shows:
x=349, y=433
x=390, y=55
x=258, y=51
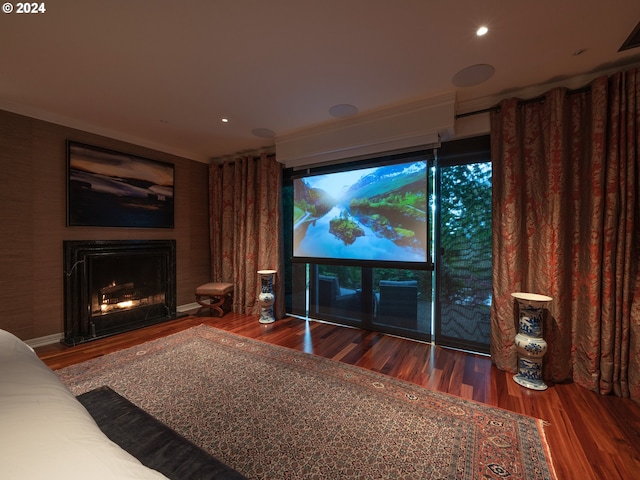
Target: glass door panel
x=387, y=300
x=464, y=263
x=402, y=302
x=337, y=294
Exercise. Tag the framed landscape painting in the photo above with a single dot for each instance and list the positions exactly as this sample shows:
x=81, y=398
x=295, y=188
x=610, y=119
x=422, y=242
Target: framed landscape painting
x=112, y=189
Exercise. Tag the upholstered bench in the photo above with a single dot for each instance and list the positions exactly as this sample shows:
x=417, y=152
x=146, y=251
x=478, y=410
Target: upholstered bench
x=216, y=296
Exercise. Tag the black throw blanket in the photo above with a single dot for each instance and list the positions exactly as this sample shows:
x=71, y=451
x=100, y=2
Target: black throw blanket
x=153, y=443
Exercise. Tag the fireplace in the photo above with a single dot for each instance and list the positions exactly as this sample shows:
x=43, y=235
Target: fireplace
x=114, y=286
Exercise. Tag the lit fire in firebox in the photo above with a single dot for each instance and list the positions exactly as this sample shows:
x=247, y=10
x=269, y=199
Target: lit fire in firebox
x=120, y=297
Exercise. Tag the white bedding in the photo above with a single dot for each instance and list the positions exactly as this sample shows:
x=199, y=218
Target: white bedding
x=45, y=433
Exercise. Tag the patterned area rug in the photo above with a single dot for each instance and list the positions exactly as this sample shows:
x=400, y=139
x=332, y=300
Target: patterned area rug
x=273, y=413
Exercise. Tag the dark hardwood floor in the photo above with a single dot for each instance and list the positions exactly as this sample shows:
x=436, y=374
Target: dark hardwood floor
x=591, y=436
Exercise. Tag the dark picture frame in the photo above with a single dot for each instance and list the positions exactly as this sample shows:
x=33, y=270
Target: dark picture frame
x=106, y=188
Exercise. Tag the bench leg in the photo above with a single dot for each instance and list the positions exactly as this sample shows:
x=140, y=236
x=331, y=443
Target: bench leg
x=211, y=302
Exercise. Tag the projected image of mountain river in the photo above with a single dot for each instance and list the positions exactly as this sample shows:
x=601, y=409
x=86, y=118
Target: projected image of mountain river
x=317, y=241
x=371, y=214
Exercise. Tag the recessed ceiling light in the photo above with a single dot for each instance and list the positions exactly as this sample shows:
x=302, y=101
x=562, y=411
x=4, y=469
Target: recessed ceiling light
x=482, y=31
x=343, y=110
x=225, y=120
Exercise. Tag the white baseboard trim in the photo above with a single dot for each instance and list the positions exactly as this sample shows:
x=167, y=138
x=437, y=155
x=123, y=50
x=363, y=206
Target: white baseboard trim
x=187, y=307
x=56, y=337
x=42, y=341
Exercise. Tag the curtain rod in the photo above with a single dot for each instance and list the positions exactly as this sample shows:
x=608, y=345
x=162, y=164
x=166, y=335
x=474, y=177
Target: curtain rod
x=539, y=98
x=220, y=160
x=256, y=152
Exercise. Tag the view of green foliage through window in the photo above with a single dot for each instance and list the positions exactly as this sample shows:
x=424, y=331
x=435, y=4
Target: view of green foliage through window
x=466, y=233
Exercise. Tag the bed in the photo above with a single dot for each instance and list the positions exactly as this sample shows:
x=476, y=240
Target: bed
x=45, y=433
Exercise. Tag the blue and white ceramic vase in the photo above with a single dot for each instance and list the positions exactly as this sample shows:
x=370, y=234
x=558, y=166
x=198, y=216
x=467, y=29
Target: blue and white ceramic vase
x=266, y=296
x=529, y=341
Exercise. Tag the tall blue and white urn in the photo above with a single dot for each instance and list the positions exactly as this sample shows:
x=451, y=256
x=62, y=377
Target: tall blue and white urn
x=529, y=341
x=266, y=297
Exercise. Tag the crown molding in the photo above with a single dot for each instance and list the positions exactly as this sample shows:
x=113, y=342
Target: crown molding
x=532, y=91
x=64, y=121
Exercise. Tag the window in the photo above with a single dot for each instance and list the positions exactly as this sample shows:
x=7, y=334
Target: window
x=463, y=244
x=406, y=297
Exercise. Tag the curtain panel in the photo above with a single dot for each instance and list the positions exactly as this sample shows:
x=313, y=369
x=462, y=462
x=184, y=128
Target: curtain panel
x=246, y=228
x=566, y=223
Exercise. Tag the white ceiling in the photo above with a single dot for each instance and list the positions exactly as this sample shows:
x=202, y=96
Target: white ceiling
x=163, y=73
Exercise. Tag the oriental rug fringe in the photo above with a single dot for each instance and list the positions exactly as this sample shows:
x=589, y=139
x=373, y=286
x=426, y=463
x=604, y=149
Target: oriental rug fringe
x=273, y=413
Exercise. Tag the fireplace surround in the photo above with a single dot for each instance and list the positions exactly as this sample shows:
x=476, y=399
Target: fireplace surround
x=114, y=286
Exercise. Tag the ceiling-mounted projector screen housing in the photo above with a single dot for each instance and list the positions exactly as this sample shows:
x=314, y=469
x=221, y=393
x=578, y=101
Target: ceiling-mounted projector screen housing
x=375, y=216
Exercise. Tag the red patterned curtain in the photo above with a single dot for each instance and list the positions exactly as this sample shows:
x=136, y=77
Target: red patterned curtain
x=566, y=223
x=246, y=228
